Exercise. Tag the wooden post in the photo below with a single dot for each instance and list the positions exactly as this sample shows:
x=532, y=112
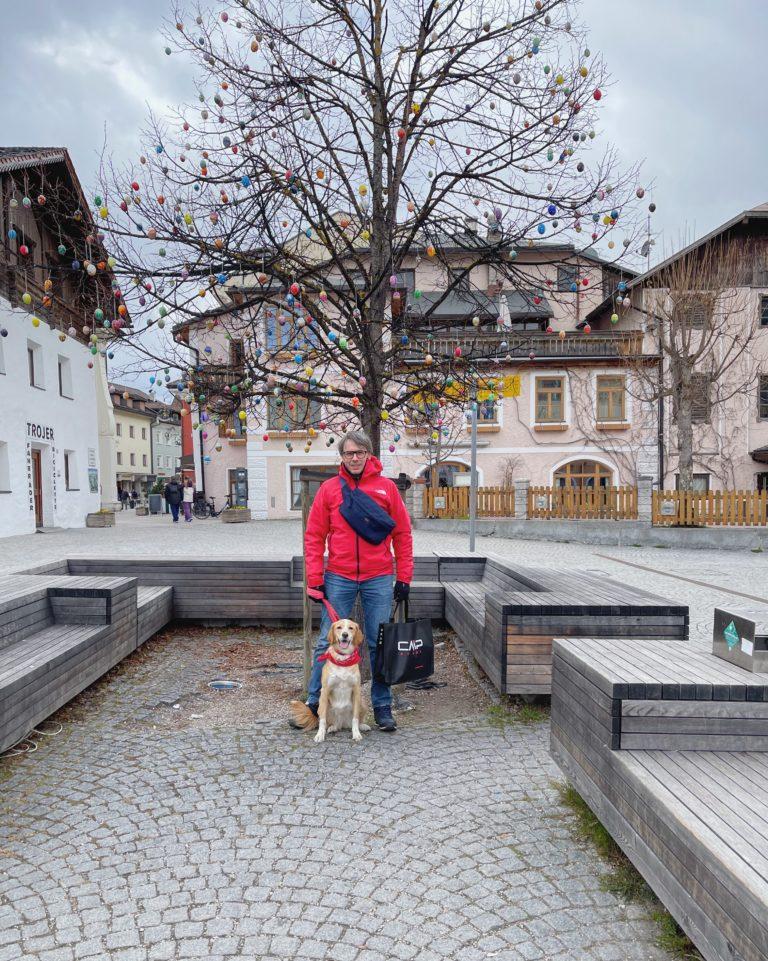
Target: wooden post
x=307, y=609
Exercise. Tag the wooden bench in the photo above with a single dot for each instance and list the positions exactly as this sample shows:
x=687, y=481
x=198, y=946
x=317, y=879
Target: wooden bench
x=58, y=634
x=508, y=614
x=669, y=746
x=154, y=609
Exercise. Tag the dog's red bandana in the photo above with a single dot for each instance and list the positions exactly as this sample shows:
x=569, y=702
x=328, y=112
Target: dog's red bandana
x=347, y=662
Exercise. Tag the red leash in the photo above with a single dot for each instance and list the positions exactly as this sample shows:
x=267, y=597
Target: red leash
x=331, y=612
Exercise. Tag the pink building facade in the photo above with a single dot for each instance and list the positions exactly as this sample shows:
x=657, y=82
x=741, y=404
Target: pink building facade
x=218, y=449
x=567, y=415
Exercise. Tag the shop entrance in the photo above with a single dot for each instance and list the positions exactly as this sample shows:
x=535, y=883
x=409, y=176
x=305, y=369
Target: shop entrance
x=37, y=486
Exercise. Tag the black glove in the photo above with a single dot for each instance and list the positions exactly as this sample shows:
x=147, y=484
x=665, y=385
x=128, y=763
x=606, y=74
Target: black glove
x=320, y=588
x=401, y=592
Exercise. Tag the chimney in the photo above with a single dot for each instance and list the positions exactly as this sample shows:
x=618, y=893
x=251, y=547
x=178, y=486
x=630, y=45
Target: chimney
x=471, y=225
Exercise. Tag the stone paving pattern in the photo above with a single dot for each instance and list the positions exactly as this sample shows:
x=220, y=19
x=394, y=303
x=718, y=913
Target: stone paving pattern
x=123, y=840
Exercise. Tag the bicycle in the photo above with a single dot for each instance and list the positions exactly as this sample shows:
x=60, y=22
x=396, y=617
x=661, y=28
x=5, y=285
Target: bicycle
x=207, y=508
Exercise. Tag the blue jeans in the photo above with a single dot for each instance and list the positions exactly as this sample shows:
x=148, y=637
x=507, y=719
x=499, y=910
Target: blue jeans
x=376, y=597
x=175, y=511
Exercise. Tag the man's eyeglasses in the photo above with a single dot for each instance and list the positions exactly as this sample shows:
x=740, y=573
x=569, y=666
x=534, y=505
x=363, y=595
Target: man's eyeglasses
x=352, y=454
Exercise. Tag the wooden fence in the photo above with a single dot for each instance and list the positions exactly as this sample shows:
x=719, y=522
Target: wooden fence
x=454, y=502
x=584, y=503
x=700, y=508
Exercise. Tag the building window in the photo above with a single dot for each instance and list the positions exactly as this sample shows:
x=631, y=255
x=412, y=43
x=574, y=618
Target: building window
x=70, y=470
x=762, y=399
x=550, y=405
x=458, y=279
x=133, y=460
x=701, y=402
x=693, y=312
x=143, y=460
x=143, y=433
x=5, y=469
x=761, y=481
x=295, y=414
x=313, y=485
x=131, y=431
x=567, y=274
x=119, y=458
x=700, y=482
x=65, y=378
x=764, y=311
x=611, y=399
x=583, y=473
x=35, y=364
x=236, y=355
x=487, y=411
x=118, y=429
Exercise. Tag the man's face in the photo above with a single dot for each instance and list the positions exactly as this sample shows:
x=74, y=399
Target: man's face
x=354, y=458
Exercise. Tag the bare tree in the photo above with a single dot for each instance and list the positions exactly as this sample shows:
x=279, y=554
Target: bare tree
x=698, y=312
x=337, y=145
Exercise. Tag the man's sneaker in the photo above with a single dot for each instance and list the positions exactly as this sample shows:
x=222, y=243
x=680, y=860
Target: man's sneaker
x=297, y=727
x=384, y=719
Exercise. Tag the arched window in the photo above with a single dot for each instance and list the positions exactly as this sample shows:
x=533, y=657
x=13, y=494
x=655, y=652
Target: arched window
x=583, y=473
x=444, y=474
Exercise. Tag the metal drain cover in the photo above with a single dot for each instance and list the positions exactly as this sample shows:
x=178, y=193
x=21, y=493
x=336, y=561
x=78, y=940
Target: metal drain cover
x=224, y=685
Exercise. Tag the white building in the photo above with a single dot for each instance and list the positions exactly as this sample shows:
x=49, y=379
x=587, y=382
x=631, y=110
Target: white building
x=56, y=421
x=49, y=432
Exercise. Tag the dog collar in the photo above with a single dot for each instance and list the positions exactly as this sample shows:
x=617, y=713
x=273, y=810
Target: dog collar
x=350, y=661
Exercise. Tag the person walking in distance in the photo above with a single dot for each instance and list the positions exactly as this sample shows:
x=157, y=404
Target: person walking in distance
x=173, y=496
x=189, y=496
x=355, y=565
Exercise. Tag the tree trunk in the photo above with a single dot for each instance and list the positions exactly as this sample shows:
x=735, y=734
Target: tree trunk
x=372, y=426
x=684, y=422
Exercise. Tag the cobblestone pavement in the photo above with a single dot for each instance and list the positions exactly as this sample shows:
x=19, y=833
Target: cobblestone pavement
x=125, y=838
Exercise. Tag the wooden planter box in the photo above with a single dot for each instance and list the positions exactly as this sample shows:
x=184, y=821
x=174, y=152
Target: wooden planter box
x=100, y=520
x=236, y=517
x=142, y=511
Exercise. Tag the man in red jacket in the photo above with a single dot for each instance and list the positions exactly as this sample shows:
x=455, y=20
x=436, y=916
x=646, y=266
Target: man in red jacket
x=356, y=566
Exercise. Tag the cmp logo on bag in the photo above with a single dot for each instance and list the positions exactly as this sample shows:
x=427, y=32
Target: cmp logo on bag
x=409, y=647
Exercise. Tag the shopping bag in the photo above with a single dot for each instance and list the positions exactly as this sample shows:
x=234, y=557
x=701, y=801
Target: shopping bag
x=405, y=650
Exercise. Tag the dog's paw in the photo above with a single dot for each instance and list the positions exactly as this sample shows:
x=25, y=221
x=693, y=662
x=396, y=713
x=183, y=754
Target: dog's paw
x=365, y=728
x=357, y=736
x=319, y=737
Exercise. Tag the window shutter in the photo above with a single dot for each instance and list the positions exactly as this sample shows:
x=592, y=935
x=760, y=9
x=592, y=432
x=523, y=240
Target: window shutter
x=701, y=403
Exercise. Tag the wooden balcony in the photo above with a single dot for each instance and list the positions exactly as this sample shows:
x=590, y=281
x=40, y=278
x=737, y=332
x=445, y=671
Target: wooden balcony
x=503, y=342
x=59, y=314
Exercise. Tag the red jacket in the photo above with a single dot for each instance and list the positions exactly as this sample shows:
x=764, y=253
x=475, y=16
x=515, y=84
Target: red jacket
x=349, y=555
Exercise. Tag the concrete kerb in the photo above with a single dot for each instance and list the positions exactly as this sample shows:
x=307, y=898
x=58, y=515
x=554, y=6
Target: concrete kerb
x=608, y=533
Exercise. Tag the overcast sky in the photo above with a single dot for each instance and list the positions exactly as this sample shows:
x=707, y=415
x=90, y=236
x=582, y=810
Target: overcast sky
x=687, y=96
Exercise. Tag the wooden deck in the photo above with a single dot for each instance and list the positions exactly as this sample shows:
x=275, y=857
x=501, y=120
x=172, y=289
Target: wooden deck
x=508, y=614
x=101, y=609
x=669, y=746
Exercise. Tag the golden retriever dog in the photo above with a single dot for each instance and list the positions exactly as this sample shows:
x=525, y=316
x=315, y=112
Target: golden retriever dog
x=341, y=698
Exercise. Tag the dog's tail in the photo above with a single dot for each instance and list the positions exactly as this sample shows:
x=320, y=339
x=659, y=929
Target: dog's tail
x=303, y=716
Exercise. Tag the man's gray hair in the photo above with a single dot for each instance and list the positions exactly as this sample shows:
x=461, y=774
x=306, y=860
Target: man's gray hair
x=358, y=437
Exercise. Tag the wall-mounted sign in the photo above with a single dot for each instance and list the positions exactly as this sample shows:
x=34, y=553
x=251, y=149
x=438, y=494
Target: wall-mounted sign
x=93, y=480
x=91, y=457
x=39, y=431
x=439, y=503
x=668, y=508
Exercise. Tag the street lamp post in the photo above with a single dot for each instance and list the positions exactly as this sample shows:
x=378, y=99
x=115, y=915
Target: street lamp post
x=473, y=476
